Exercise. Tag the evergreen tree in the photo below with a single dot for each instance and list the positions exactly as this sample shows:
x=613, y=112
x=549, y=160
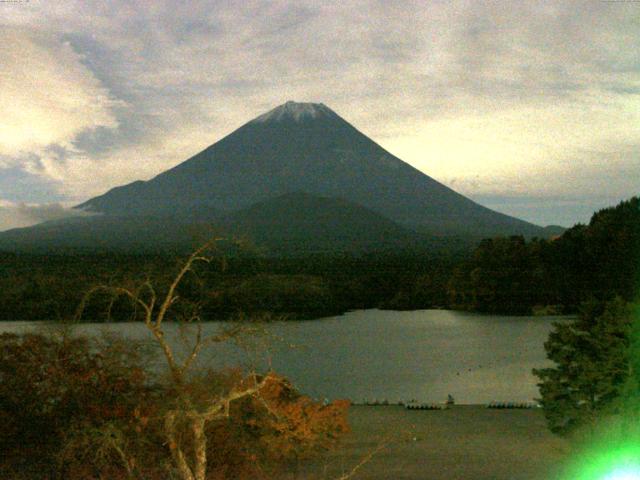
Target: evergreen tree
x=630, y=399
x=592, y=366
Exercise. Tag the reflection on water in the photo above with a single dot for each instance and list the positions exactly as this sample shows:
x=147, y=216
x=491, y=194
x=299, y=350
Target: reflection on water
x=374, y=354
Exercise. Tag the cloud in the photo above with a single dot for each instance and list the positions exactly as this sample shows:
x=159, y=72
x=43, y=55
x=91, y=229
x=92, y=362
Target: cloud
x=564, y=148
x=17, y=215
x=48, y=96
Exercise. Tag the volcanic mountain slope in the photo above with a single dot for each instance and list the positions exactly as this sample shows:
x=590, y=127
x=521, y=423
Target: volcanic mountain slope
x=306, y=147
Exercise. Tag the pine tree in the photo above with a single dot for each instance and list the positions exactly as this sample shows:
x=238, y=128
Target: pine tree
x=629, y=401
x=592, y=366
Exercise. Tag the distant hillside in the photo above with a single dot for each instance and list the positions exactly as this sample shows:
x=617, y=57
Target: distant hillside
x=103, y=233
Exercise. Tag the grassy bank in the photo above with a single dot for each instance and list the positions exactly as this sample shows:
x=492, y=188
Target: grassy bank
x=464, y=442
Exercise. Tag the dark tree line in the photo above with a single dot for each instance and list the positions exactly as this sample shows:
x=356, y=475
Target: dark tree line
x=39, y=287
x=50, y=287
x=598, y=261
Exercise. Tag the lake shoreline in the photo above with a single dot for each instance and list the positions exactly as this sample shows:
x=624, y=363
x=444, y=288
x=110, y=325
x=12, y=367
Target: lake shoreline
x=465, y=441
x=324, y=316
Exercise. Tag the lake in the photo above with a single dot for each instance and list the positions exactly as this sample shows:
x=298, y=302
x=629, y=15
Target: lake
x=378, y=354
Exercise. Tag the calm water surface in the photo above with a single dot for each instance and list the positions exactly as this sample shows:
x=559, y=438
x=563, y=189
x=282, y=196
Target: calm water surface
x=376, y=354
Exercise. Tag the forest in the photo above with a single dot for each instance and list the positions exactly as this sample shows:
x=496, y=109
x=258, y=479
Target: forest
x=597, y=261
x=35, y=287
x=504, y=275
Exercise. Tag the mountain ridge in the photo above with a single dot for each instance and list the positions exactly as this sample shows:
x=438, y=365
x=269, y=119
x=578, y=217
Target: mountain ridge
x=308, y=147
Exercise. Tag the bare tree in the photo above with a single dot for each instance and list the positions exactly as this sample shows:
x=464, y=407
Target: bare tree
x=190, y=463
x=186, y=414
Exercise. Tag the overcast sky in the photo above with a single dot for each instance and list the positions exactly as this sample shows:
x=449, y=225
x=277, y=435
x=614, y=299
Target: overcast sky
x=531, y=108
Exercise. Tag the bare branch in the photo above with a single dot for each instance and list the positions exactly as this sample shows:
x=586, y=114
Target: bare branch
x=366, y=459
x=197, y=346
x=175, y=370
x=174, y=447
x=116, y=292
x=170, y=297
x=223, y=404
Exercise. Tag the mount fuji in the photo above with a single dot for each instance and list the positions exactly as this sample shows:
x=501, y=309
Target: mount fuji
x=299, y=161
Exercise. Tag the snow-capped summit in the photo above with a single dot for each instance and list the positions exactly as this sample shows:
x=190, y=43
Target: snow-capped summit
x=296, y=111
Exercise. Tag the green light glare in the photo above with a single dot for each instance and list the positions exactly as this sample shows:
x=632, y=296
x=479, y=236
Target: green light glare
x=622, y=463
x=624, y=473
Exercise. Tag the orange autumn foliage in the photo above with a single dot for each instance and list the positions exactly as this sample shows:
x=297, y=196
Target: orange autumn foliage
x=298, y=424
x=272, y=431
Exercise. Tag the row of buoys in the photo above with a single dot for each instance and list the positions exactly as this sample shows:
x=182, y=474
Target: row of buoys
x=411, y=404
x=511, y=405
x=426, y=406
x=376, y=402
x=415, y=405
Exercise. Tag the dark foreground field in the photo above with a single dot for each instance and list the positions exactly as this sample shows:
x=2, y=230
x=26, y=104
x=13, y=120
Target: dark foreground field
x=465, y=442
